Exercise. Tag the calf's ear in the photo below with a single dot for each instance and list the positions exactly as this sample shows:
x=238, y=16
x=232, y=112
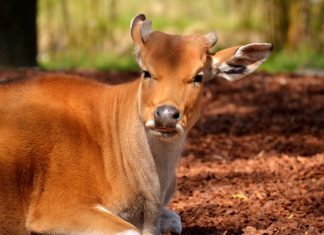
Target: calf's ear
x=236, y=62
x=140, y=29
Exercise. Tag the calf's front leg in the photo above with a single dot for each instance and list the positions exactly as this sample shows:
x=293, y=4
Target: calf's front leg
x=170, y=222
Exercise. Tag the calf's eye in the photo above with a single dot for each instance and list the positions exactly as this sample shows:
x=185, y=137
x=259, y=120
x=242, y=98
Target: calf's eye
x=146, y=74
x=198, y=78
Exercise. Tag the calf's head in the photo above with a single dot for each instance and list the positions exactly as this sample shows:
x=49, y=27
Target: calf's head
x=175, y=68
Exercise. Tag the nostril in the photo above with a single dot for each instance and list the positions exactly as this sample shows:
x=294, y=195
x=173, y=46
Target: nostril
x=176, y=115
x=157, y=113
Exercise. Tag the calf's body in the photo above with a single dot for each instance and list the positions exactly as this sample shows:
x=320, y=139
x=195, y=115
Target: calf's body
x=68, y=142
x=81, y=157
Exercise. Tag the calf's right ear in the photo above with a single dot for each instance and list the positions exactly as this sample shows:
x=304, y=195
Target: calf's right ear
x=237, y=62
x=140, y=29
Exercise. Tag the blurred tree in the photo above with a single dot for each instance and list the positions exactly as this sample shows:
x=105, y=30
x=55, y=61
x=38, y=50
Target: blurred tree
x=112, y=11
x=277, y=16
x=298, y=22
x=316, y=19
x=18, y=37
x=294, y=23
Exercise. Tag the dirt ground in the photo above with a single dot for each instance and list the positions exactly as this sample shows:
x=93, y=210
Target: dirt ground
x=254, y=163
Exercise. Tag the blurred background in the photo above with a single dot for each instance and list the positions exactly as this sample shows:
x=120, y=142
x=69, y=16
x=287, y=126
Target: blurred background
x=94, y=34
x=254, y=162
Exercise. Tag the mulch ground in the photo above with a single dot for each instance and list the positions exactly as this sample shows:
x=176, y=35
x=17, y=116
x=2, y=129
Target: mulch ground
x=254, y=163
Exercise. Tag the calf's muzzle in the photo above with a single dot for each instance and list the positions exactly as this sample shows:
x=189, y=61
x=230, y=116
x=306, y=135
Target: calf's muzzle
x=166, y=117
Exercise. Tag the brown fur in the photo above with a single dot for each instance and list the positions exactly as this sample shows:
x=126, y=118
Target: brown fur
x=54, y=142
x=76, y=155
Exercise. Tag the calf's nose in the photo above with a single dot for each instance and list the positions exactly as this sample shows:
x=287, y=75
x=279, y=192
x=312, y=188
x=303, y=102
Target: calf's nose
x=166, y=116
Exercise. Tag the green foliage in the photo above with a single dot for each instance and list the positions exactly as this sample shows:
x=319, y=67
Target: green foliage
x=95, y=33
x=285, y=61
x=102, y=62
x=277, y=62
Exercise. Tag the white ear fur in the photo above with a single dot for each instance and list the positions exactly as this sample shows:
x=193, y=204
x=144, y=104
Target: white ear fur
x=211, y=38
x=244, y=61
x=255, y=50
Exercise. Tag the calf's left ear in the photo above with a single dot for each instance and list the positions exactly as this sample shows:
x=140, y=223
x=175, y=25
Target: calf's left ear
x=236, y=62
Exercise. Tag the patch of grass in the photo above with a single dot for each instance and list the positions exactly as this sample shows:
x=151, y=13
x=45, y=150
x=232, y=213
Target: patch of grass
x=277, y=62
x=101, y=62
x=292, y=61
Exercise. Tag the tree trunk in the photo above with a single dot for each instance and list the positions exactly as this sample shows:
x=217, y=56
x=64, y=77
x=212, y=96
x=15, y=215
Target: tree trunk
x=277, y=18
x=18, y=36
x=297, y=31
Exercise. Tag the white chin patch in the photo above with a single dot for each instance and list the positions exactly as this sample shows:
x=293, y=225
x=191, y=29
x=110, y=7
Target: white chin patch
x=179, y=129
x=151, y=124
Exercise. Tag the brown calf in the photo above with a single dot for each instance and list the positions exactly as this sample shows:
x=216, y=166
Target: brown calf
x=81, y=157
